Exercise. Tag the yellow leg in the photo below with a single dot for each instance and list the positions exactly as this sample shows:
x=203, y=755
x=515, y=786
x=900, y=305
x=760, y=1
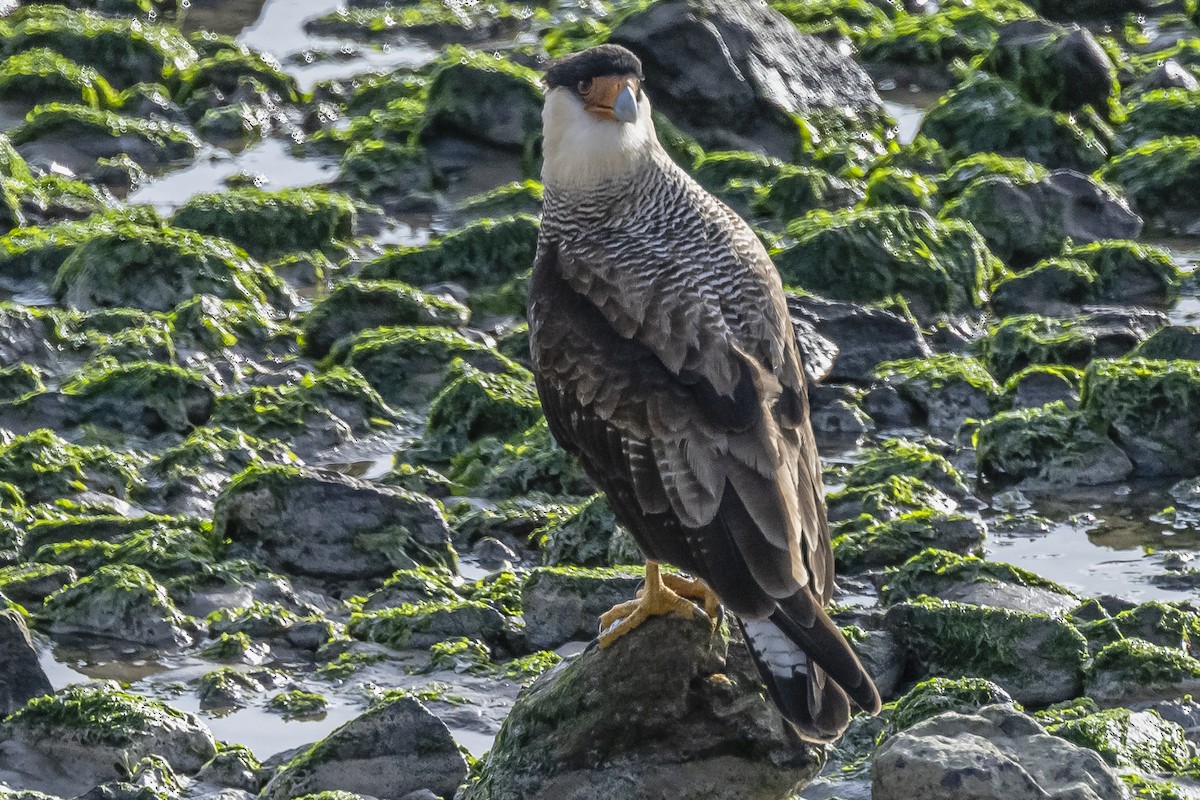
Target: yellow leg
x=654, y=599
x=694, y=589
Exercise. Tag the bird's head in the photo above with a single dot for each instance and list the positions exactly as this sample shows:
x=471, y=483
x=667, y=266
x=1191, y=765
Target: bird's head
x=596, y=122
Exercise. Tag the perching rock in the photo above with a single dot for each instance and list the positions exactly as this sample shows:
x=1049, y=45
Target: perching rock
x=69, y=742
x=394, y=749
x=331, y=526
x=21, y=676
x=671, y=709
x=564, y=603
x=766, y=74
x=1023, y=221
x=997, y=753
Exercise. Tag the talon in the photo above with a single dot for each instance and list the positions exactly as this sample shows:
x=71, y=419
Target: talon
x=696, y=589
x=654, y=599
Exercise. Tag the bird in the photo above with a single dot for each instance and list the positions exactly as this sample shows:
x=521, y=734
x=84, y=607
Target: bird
x=666, y=361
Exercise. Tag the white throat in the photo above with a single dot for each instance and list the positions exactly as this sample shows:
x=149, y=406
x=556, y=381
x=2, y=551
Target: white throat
x=580, y=150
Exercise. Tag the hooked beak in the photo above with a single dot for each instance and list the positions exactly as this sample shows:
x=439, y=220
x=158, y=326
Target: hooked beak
x=613, y=98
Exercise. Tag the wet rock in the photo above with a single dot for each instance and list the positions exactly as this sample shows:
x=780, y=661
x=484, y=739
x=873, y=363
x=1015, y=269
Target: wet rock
x=120, y=602
x=1049, y=444
x=890, y=542
x=798, y=190
x=997, y=752
x=158, y=268
x=864, y=337
x=269, y=224
x=1061, y=68
x=1172, y=342
x=234, y=767
x=1140, y=740
x=1164, y=624
x=1023, y=222
x=891, y=498
x=1147, y=407
x=476, y=96
x=1034, y=387
x=494, y=554
x=946, y=389
x=398, y=177
x=1156, y=177
x=21, y=676
x=1161, y=113
x=1054, y=287
x=835, y=414
x=974, y=581
x=227, y=687
x=227, y=70
x=30, y=584
x=590, y=537
x=769, y=75
x=43, y=76
x=647, y=717
x=356, y=306
x=1036, y=658
x=936, y=696
x=987, y=115
x=478, y=404
x=979, y=166
x=330, y=526
x=564, y=603
x=417, y=627
x=412, y=587
x=888, y=409
x=1025, y=340
x=81, y=736
x=393, y=749
x=1170, y=74
x=1132, y=670
x=869, y=255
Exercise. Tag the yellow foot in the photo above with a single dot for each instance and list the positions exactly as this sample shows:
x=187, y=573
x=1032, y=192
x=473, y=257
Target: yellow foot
x=653, y=600
x=695, y=589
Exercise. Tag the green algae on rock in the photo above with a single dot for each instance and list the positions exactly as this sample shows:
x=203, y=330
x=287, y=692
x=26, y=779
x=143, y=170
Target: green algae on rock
x=298, y=703
x=1140, y=740
x=44, y=76
x=947, y=388
x=101, y=133
x=1132, y=670
x=419, y=626
x=355, y=306
x=528, y=463
x=46, y=467
x=872, y=254
x=476, y=404
x=1159, y=177
x=939, y=38
x=120, y=602
x=1035, y=657
x=934, y=696
x=484, y=253
x=226, y=69
x=965, y=171
x=1025, y=340
x=889, y=542
x=587, y=537
x=900, y=457
x=939, y=573
x=269, y=224
x=142, y=398
x=482, y=96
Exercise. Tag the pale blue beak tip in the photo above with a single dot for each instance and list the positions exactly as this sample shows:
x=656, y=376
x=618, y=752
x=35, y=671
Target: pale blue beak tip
x=625, y=108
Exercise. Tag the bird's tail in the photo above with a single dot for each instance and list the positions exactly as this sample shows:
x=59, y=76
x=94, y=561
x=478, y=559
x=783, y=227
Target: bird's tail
x=810, y=671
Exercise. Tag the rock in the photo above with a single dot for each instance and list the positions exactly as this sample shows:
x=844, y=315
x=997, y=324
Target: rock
x=31, y=584
x=769, y=74
x=1152, y=410
x=868, y=255
x=987, y=115
x=946, y=389
x=21, y=676
x=476, y=96
x=330, y=526
x=1048, y=444
x=420, y=626
x=1025, y=340
x=669, y=710
x=1036, y=658
x=1170, y=74
x=1172, y=342
x=863, y=336
x=1034, y=387
x=835, y=414
x=228, y=688
x=1164, y=624
x=1140, y=740
x=901, y=457
x=935, y=696
x=1063, y=68
x=1132, y=670
x=590, y=537
x=361, y=305
x=1054, y=287
x=974, y=581
x=891, y=542
x=478, y=404
x=996, y=753
x=121, y=602
x=393, y=749
x=1026, y=221
x=269, y=224
x=81, y=736
x=1156, y=177
x=890, y=498
x=564, y=604
x=1159, y=114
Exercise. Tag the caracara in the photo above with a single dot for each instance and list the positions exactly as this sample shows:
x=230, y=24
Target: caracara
x=666, y=361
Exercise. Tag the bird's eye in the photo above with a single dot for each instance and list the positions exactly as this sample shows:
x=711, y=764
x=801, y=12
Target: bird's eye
x=583, y=87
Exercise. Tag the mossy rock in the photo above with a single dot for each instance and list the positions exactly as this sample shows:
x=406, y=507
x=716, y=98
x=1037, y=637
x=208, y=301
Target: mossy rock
x=889, y=186
x=870, y=255
x=45, y=467
x=356, y=306
x=1156, y=622
x=102, y=133
x=588, y=537
x=1171, y=343
x=1049, y=444
x=119, y=602
x=935, y=696
x=1140, y=740
x=799, y=190
x=938, y=573
x=269, y=224
x=208, y=456
x=210, y=324
x=531, y=462
x=124, y=51
x=484, y=253
x=978, y=166
x=418, y=586
x=1052, y=286
x=44, y=76
x=477, y=404
x=890, y=542
x=563, y=603
x=1152, y=408
x=36, y=253
x=478, y=96
x=159, y=268
x=1160, y=114
x=420, y=626
x=1130, y=272
x=227, y=69
x=408, y=364
x=30, y=584
x=103, y=528
x=142, y=399
x=387, y=172
x=937, y=39
x=299, y=704
x=891, y=498
x=1158, y=177
x=901, y=457
x=229, y=687
x=947, y=388
x=987, y=115
x=20, y=380
x=1132, y=670
x=1026, y=340
x=1061, y=68
x=1037, y=658
x=516, y=197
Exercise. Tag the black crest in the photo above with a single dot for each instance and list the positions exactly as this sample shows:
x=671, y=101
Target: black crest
x=607, y=59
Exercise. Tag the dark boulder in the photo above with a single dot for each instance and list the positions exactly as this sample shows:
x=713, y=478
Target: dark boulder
x=21, y=676
x=862, y=337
